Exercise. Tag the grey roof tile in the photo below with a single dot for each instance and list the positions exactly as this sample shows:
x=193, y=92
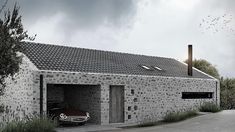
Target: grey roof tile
x=62, y=58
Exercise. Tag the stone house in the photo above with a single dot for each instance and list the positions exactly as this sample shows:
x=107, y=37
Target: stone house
x=113, y=87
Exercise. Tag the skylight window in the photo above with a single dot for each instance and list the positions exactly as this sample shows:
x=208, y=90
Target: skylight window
x=155, y=67
x=145, y=67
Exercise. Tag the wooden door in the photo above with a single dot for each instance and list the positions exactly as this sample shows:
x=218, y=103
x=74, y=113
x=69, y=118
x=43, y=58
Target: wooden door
x=116, y=104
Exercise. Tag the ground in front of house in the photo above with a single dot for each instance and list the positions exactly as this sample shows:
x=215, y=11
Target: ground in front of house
x=217, y=122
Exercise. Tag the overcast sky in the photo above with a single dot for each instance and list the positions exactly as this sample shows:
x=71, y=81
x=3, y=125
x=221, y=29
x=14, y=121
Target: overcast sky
x=150, y=27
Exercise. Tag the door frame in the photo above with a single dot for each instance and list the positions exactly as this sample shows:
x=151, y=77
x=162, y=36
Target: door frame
x=123, y=102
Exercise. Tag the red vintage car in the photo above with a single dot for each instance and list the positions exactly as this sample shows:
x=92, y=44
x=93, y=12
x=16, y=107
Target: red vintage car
x=68, y=115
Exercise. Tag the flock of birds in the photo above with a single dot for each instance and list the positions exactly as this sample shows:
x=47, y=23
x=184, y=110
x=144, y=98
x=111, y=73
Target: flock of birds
x=218, y=24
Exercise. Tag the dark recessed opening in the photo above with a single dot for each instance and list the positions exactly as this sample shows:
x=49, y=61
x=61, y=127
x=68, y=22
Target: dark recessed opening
x=129, y=108
x=197, y=95
x=132, y=91
x=129, y=116
x=135, y=107
x=75, y=96
x=135, y=99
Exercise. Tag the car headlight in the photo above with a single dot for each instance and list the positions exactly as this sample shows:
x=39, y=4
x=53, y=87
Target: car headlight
x=88, y=115
x=63, y=116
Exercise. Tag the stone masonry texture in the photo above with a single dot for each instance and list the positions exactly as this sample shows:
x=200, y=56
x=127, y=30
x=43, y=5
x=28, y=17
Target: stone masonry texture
x=146, y=98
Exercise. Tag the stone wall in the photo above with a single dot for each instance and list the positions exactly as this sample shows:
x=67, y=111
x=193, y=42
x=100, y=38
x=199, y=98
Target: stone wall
x=21, y=96
x=147, y=98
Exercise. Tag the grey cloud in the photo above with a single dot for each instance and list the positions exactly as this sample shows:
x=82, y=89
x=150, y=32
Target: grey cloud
x=81, y=13
x=228, y=4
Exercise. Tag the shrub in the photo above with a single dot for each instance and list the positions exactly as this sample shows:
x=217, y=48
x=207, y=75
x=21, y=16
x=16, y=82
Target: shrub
x=14, y=127
x=148, y=124
x=40, y=125
x=31, y=125
x=210, y=107
x=227, y=93
x=179, y=116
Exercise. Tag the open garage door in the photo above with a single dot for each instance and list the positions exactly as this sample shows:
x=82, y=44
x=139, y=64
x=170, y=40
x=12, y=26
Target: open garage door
x=82, y=97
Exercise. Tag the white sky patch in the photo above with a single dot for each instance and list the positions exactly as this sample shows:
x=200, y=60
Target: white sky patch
x=159, y=28
x=181, y=4
x=104, y=38
x=47, y=29
x=163, y=30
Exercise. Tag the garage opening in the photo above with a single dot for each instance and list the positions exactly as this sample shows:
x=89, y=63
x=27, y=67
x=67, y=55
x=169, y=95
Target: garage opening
x=83, y=97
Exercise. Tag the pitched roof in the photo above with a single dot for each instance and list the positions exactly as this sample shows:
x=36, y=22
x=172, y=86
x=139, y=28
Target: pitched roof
x=62, y=58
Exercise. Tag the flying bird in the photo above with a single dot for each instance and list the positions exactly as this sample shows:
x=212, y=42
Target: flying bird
x=216, y=24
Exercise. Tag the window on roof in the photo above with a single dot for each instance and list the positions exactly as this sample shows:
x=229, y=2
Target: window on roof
x=146, y=67
x=157, y=68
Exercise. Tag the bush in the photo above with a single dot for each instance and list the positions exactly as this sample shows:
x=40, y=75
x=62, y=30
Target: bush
x=227, y=93
x=32, y=125
x=179, y=116
x=210, y=107
x=14, y=127
x=149, y=124
x=40, y=125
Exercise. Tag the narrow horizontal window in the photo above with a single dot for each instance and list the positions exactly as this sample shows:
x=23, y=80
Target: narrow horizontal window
x=197, y=95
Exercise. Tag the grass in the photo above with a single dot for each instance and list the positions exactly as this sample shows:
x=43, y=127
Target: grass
x=210, y=107
x=143, y=124
x=171, y=117
x=179, y=116
x=148, y=124
x=32, y=125
x=14, y=127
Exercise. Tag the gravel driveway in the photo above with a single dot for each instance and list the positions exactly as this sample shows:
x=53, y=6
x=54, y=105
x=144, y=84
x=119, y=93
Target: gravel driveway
x=219, y=122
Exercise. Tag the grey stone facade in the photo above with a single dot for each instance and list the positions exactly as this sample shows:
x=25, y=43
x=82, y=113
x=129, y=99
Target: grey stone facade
x=21, y=95
x=146, y=98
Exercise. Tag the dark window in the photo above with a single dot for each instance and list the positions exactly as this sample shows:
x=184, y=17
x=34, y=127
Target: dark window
x=132, y=91
x=197, y=95
x=129, y=108
x=135, y=99
x=135, y=107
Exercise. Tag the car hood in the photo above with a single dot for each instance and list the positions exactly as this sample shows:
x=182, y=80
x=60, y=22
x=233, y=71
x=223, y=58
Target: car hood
x=74, y=112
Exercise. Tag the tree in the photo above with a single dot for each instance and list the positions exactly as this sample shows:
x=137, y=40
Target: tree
x=227, y=93
x=227, y=86
x=11, y=34
x=206, y=67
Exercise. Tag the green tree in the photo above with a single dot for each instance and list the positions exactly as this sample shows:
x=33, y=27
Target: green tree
x=11, y=34
x=227, y=93
x=206, y=67
x=227, y=85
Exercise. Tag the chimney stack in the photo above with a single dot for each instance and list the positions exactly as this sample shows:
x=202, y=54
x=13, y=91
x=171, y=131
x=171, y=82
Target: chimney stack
x=190, y=60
